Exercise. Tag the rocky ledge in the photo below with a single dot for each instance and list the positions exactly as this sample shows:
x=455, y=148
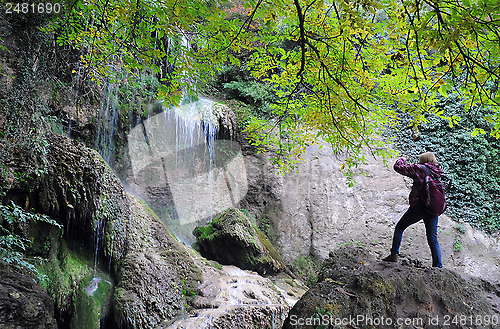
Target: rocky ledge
x=355, y=290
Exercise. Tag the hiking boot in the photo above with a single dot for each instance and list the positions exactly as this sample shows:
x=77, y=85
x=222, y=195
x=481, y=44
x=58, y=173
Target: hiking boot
x=390, y=258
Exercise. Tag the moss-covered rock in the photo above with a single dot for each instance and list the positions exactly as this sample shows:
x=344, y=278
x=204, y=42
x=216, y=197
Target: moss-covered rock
x=76, y=188
x=232, y=239
x=102, y=225
x=62, y=276
x=357, y=290
x=93, y=301
x=155, y=275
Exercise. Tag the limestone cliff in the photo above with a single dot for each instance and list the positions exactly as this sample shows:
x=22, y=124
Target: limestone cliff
x=312, y=211
x=158, y=280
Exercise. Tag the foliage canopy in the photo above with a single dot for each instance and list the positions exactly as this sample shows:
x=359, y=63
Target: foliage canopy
x=339, y=67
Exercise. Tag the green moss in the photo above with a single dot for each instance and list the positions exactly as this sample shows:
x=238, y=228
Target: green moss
x=457, y=245
x=270, y=248
x=205, y=232
x=460, y=228
x=62, y=278
x=91, y=302
x=146, y=207
x=68, y=279
x=214, y=264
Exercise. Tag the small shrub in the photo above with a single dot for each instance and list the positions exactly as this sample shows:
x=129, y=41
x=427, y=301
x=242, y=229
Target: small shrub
x=307, y=269
x=13, y=246
x=460, y=228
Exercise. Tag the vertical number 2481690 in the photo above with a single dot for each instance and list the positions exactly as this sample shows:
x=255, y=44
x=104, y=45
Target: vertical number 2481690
x=32, y=8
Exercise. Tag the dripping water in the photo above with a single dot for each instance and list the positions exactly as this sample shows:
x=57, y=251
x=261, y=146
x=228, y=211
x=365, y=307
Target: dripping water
x=69, y=126
x=98, y=241
x=107, y=121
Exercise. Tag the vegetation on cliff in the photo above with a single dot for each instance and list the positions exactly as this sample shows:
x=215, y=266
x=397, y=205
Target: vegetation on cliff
x=470, y=161
x=309, y=71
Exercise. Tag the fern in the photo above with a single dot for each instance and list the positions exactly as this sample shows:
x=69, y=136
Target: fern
x=13, y=247
x=15, y=214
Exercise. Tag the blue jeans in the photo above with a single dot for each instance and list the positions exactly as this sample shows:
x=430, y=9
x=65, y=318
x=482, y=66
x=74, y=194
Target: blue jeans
x=411, y=216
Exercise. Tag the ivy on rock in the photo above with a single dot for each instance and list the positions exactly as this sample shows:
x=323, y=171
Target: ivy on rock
x=470, y=160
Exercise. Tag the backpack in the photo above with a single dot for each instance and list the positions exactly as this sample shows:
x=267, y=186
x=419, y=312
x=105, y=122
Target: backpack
x=433, y=194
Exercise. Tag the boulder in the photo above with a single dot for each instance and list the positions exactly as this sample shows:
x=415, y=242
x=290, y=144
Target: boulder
x=354, y=289
x=231, y=239
x=23, y=303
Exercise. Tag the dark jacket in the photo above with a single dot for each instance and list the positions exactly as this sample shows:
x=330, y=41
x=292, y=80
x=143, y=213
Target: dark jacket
x=418, y=175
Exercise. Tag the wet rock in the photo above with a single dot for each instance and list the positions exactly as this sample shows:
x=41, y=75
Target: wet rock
x=24, y=303
x=354, y=289
x=155, y=275
x=164, y=284
x=92, y=302
x=233, y=298
x=232, y=239
x=151, y=268
x=74, y=186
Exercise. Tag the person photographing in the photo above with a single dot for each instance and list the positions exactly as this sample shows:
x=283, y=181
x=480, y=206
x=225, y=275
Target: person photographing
x=427, y=202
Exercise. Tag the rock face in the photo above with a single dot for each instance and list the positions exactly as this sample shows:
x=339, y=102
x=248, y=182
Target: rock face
x=75, y=187
x=164, y=284
x=232, y=239
x=158, y=280
x=23, y=304
x=80, y=191
x=151, y=266
x=312, y=210
x=356, y=290
x=155, y=274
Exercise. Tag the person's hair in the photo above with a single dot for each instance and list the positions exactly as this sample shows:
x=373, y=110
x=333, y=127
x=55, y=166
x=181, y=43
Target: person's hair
x=427, y=157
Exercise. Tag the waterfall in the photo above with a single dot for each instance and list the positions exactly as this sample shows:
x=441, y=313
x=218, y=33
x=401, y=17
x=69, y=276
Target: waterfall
x=98, y=240
x=107, y=122
x=182, y=170
x=69, y=126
